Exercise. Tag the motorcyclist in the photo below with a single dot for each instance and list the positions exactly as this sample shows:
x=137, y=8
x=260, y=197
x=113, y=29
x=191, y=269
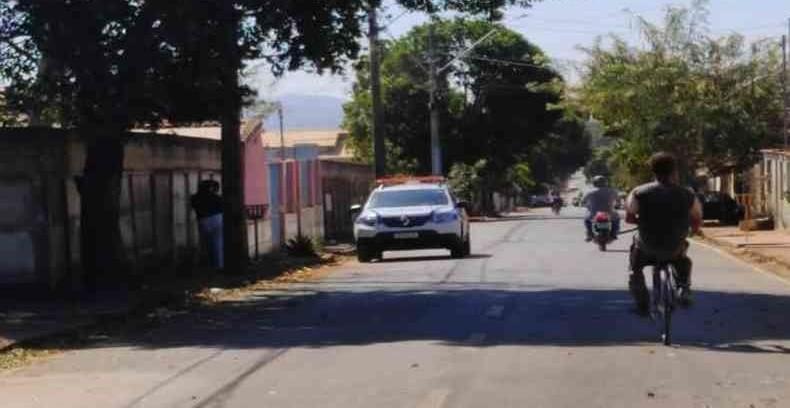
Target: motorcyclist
x=664, y=212
x=556, y=200
x=600, y=199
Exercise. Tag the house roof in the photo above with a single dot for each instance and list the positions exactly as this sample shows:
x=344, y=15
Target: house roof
x=332, y=143
x=210, y=131
x=322, y=138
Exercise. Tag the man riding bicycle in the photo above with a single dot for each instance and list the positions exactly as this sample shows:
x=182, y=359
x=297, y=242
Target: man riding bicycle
x=664, y=212
x=600, y=199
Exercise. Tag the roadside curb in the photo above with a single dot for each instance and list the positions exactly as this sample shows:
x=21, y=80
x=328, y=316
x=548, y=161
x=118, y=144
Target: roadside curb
x=761, y=263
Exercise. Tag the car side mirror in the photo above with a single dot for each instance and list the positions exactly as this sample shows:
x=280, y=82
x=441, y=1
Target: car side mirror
x=355, y=209
x=462, y=204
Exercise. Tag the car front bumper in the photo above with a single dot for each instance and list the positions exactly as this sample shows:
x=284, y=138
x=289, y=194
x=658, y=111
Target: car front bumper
x=426, y=239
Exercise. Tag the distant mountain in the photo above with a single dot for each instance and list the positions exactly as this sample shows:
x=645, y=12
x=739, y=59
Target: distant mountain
x=313, y=112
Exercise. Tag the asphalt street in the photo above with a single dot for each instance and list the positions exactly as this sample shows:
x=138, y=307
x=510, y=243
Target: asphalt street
x=535, y=317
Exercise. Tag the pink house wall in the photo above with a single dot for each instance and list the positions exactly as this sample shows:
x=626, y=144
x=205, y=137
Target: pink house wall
x=256, y=188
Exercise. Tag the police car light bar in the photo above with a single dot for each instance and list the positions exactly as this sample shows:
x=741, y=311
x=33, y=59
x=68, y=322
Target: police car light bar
x=396, y=180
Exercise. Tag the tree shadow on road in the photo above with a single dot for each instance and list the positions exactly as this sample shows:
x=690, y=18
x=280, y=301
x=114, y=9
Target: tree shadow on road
x=431, y=258
x=719, y=321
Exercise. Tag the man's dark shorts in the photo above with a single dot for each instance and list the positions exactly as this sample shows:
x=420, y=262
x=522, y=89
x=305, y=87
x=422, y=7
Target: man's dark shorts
x=640, y=258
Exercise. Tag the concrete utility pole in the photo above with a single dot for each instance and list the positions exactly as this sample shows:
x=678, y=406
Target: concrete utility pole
x=433, y=83
x=436, y=147
x=282, y=132
x=379, y=153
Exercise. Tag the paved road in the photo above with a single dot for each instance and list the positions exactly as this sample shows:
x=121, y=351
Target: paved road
x=536, y=318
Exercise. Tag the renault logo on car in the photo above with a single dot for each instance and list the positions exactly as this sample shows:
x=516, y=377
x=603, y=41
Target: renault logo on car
x=405, y=221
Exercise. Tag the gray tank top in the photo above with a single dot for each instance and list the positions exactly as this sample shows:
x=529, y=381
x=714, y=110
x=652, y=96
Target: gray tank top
x=664, y=220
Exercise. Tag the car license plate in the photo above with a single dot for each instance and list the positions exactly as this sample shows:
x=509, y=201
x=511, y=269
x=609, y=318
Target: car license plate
x=407, y=235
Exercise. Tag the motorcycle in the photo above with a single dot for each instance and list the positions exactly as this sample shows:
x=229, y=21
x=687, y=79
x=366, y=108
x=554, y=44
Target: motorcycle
x=556, y=206
x=602, y=230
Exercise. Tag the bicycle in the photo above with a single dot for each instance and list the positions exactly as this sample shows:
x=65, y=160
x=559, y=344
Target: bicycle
x=664, y=295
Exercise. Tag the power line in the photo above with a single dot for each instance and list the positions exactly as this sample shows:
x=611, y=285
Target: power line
x=394, y=20
x=507, y=62
x=564, y=30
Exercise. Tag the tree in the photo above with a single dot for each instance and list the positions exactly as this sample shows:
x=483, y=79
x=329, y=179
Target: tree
x=111, y=65
x=501, y=108
x=714, y=102
x=494, y=103
x=114, y=65
x=467, y=182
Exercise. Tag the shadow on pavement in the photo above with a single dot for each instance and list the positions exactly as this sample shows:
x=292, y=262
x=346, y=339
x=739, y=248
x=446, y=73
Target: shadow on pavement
x=718, y=321
x=431, y=258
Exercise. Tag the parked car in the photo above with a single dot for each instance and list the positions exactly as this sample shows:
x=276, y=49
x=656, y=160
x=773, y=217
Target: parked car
x=411, y=214
x=720, y=206
x=540, y=200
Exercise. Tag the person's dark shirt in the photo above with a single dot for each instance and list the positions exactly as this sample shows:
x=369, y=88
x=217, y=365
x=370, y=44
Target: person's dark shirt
x=206, y=204
x=664, y=212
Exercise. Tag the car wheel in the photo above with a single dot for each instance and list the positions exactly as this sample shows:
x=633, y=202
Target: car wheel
x=468, y=246
x=364, y=254
x=457, y=251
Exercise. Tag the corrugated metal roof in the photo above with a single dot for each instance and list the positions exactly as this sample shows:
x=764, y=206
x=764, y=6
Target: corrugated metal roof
x=210, y=132
x=322, y=138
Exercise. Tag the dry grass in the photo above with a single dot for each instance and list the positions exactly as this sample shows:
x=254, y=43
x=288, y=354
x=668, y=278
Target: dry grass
x=296, y=271
x=17, y=357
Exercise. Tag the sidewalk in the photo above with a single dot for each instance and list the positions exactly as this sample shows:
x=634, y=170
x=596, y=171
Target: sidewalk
x=27, y=320
x=765, y=246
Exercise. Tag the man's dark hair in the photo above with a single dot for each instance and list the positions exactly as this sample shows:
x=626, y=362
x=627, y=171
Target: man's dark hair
x=208, y=186
x=663, y=165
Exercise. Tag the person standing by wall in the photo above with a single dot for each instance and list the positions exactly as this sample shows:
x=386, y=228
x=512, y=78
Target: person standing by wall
x=207, y=204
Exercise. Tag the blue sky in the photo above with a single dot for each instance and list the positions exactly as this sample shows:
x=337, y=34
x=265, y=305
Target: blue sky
x=559, y=27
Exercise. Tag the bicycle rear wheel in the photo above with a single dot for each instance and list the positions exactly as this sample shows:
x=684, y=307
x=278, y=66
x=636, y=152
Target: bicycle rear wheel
x=668, y=302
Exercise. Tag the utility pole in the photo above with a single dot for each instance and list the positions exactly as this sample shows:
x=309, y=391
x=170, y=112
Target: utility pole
x=785, y=107
x=433, y=84
x=433, y=106
x=282, y=133
x=379, y=153
x=283, y=174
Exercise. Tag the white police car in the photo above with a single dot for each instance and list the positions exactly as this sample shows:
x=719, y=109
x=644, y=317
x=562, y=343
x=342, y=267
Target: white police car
x=414, y=213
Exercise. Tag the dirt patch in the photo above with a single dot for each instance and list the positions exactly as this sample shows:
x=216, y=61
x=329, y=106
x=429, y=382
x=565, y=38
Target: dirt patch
x=299, y=271
x=752, y=256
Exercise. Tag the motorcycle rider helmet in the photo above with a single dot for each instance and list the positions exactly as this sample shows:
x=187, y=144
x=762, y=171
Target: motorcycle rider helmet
x=599, y=181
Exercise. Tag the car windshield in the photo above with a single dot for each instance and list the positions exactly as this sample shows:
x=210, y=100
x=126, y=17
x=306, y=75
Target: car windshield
x=408, y=198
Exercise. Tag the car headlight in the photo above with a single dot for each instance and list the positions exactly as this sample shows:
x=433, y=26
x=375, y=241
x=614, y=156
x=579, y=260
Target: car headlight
x=445, y=216
x=368, y=219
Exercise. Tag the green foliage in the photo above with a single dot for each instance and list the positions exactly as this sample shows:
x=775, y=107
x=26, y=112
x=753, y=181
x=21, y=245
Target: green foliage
x=8, y=118
x=302, y=246
x=466, y=180
x=491, y=112
x=713, y=102
x=598, y=165
x=520, y=175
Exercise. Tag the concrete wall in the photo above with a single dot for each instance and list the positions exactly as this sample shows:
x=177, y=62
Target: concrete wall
x=158, y=226
x=343, y=184
x=32, y=205
x=775, y=184
x=40, y=205
x=256, y=183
